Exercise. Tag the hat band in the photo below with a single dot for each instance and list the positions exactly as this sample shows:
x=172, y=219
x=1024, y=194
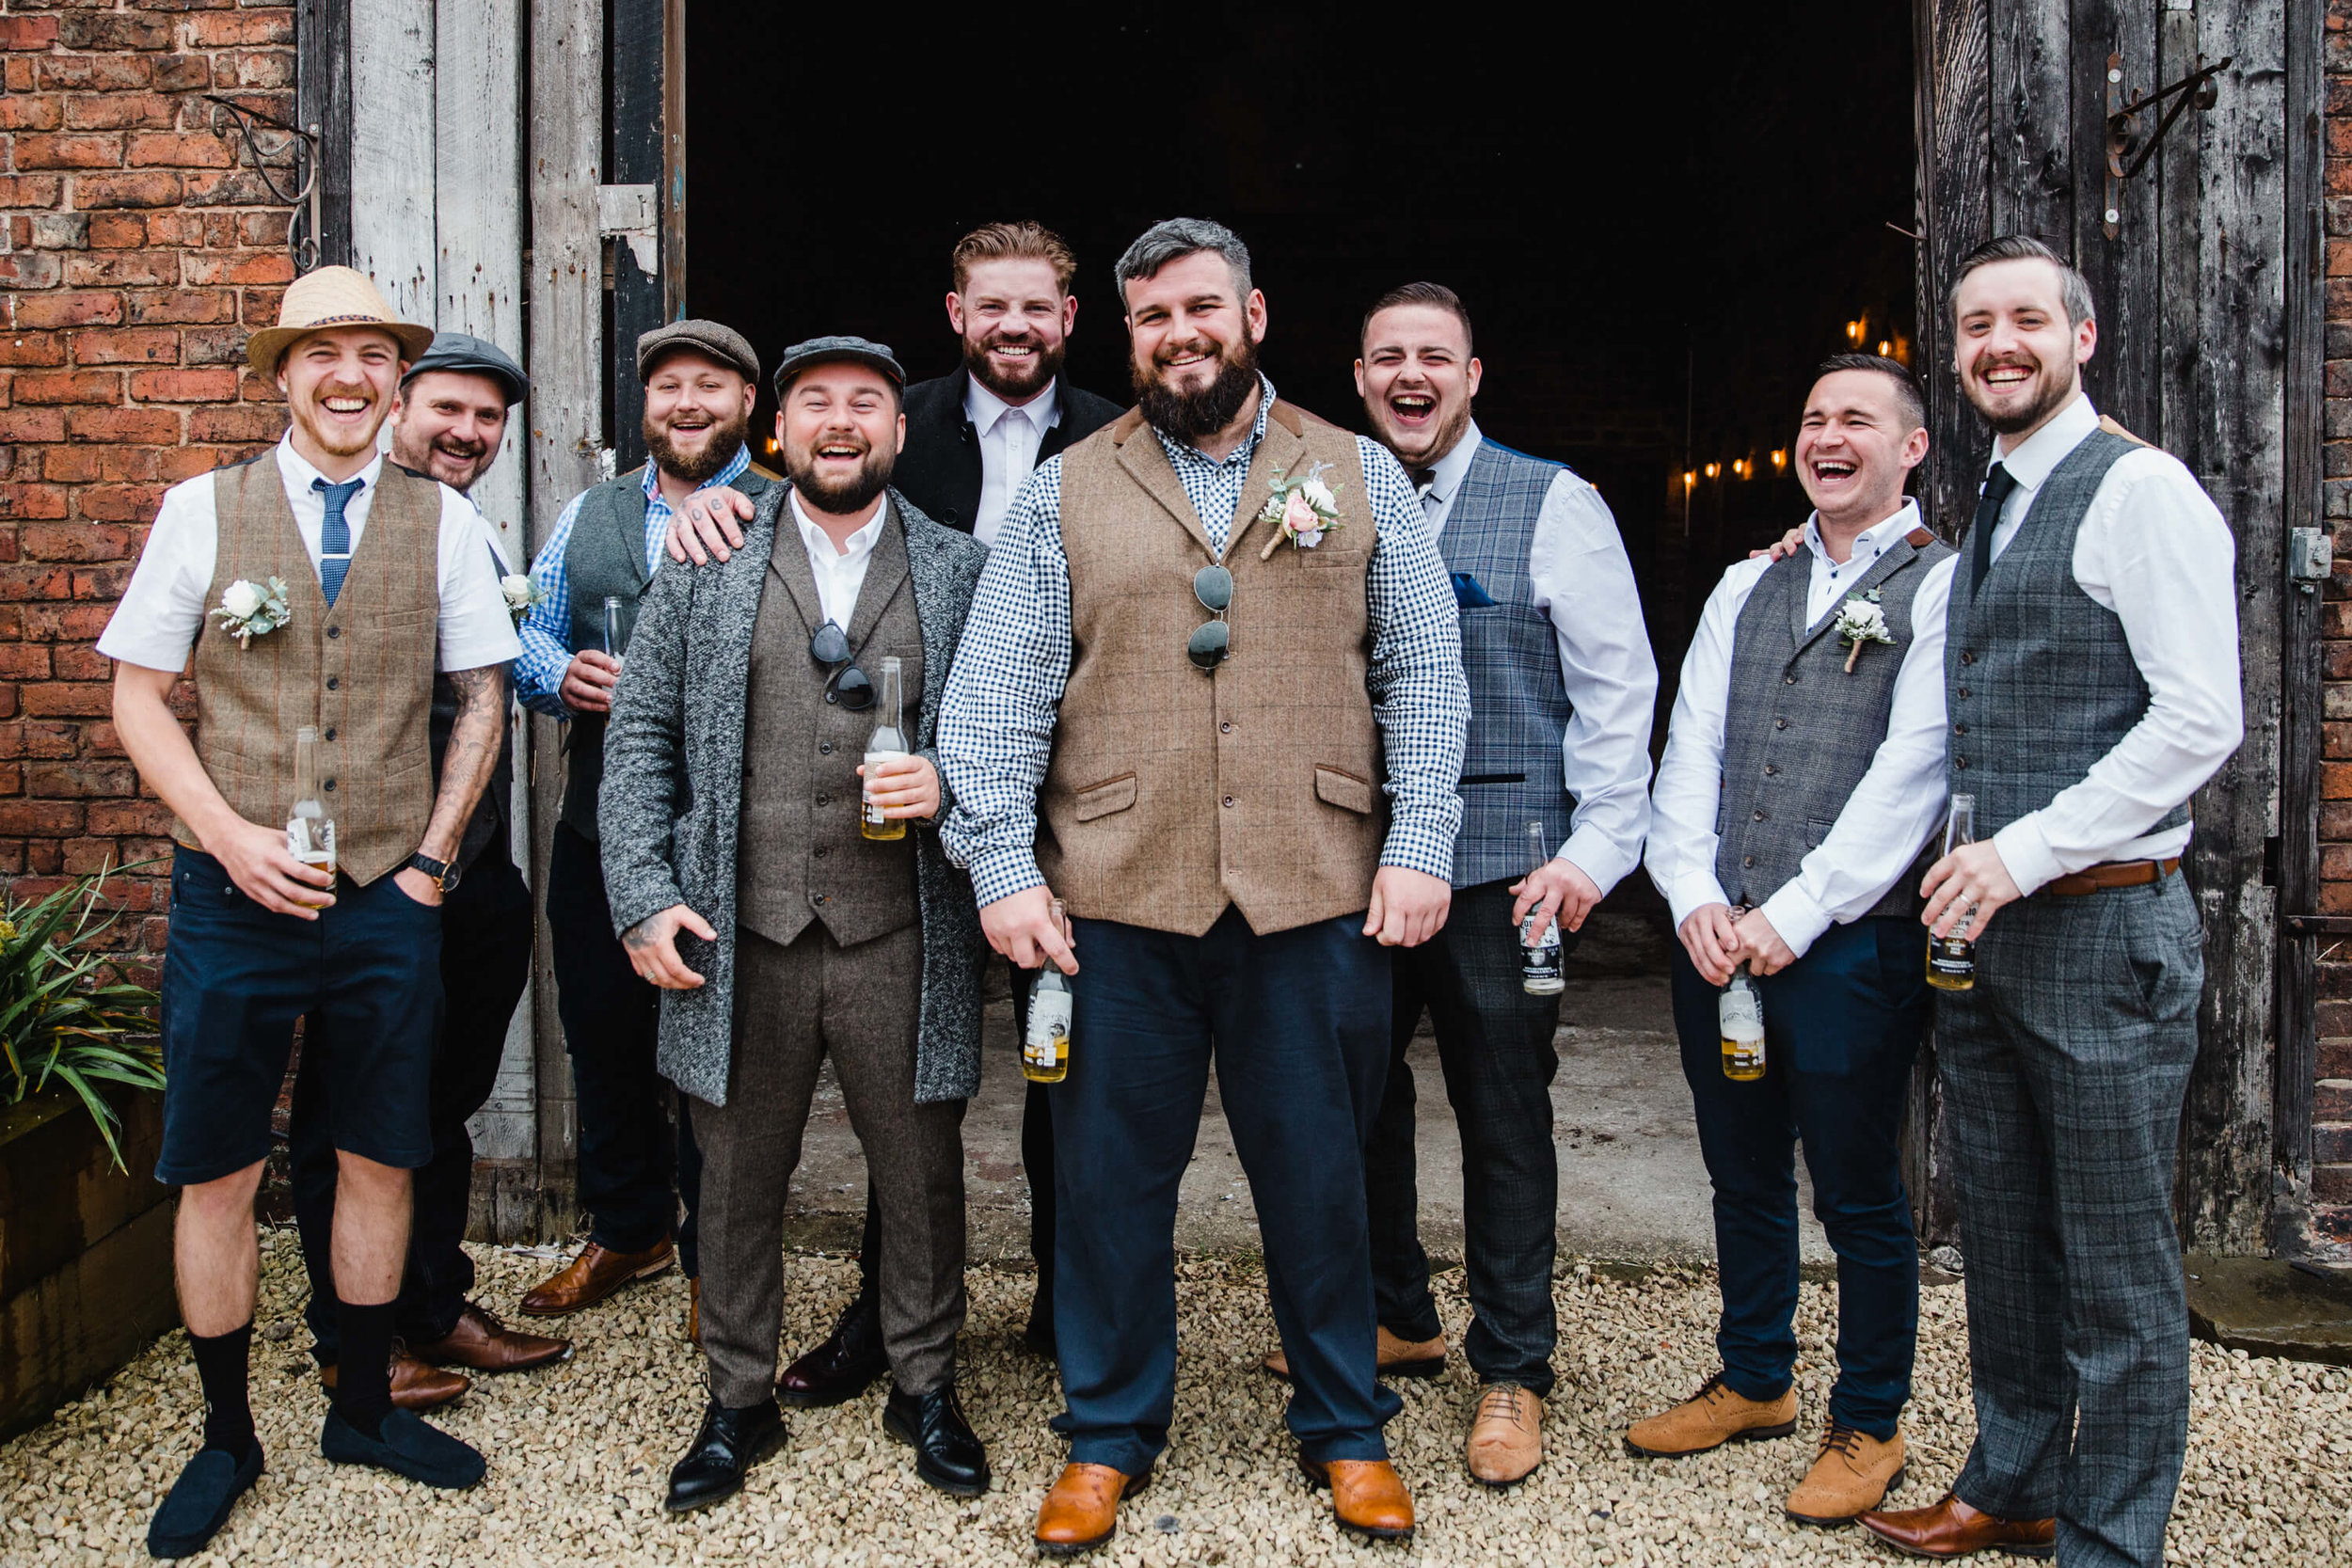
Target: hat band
x=344, y=321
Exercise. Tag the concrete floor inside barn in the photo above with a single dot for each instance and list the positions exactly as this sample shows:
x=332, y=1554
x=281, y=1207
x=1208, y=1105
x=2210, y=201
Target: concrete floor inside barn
x=1632, y=1187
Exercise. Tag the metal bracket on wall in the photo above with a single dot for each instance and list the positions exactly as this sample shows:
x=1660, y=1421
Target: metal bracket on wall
x=304, y=147
x=2311, y=558
x=2196, y=90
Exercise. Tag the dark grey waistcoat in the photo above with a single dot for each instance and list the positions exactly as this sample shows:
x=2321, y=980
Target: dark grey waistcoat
x=1801, y=731
x=800, y=855
x=1519, y=705
x=2039, y=677
x=605, y=558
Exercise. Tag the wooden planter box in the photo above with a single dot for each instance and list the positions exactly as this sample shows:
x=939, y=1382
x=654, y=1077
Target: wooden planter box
x=85, y=1251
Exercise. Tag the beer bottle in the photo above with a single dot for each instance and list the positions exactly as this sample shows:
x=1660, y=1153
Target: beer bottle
x=310, y=832
x=1045, y=1048
x=1952, y=959
x=1740, y=1012
x=887, y=742
x=1541, y=972
x=615, y=627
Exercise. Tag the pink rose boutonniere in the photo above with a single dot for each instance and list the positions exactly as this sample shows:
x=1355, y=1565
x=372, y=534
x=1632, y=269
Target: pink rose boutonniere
x=1302, y=511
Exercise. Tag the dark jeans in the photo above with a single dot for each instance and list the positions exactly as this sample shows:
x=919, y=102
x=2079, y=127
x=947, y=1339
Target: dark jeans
x=1037, y=1167
x=627, y=1151
x=1495, y=1045
x=485, y=964
x=1298, y=1024
x=1841, y=1026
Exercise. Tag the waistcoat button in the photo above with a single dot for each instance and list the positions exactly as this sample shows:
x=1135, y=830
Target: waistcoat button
x=816, y=898
x=1960, y=763
x=819, y=851
x=1770, y=769
x=1747, y=860
x=825, y=747
x=1790, y=678
x=334, y=631
x=1226, y=728
x=1759, y=816
x=333, y=681
x=329, y=786
x=1960, y=729
x=1963, y=691
x=824, y=800
x=1228, y=799
x=1780, y=723
x=1967, y=657
x=329, y=735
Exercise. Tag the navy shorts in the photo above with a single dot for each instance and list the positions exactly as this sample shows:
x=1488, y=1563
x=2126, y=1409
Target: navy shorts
x=367, y=977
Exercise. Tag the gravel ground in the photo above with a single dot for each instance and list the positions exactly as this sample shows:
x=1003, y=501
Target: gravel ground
x=579, y=1452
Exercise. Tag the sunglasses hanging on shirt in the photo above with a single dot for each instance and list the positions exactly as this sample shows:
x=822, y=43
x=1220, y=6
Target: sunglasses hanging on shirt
x=845, y=683
x=1212, y=643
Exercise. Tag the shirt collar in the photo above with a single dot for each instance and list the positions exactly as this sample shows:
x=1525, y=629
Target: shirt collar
x=728, y=475
x=1447, y=473
x=985, y=409
x=820, y=543
x=1244, y=453
x=299, y=473
x=2030, y=461
x=1871, y=541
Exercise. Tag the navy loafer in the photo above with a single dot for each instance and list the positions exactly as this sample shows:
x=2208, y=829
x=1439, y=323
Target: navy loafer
x=409, y=1448
x=199, y=1501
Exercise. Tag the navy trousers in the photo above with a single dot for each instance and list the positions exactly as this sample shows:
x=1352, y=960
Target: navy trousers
x=1841, y=1026
x=1298, y=1024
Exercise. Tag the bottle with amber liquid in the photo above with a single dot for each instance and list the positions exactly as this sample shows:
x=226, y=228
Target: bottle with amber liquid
x=1952, y=958
x=310, y=832
x=888, y=742
x=1740, y=1012
x=1541, y=972
x=1045, y=1048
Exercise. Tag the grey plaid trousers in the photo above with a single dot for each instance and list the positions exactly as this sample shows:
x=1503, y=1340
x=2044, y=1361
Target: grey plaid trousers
x=2063, y=1073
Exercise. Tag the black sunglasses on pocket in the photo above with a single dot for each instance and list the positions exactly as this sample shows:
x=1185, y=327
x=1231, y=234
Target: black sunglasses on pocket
x=845, y=683
x=1212, y=641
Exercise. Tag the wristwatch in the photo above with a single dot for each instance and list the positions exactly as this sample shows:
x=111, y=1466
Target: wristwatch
x=444, y=872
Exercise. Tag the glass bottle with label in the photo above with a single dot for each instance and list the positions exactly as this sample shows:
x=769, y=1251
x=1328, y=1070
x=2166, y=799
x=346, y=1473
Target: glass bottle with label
x=1541, y=972
x=1045, y=1047
x=615, y=627
x=1952, y=957
x=1740, y=1012
x=310, y=832
x=888, y=742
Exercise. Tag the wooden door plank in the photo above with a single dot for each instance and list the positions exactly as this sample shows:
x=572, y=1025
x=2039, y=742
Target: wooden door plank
x=322, y=98
x=2032, y=188
x=391, y=152
x=2122, y=377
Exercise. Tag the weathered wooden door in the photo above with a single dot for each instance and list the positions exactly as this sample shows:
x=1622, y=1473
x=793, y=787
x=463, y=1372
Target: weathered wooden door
x=2202, y=264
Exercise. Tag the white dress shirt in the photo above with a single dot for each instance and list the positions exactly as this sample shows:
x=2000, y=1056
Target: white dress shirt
x=156, y=623
x=1580, y=578
x=1899, y=800
x=2153, y=549
x=840, y=573
x=1009, y=439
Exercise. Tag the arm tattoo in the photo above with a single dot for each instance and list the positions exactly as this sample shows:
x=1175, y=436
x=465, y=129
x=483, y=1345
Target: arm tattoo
x=470, y=757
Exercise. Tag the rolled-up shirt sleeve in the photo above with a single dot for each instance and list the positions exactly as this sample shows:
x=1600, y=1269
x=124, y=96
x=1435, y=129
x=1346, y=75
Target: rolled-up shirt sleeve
x=1419, y=696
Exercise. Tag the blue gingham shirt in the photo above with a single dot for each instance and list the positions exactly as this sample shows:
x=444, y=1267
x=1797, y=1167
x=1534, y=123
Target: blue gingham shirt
x=547, y=631
x=996, y=724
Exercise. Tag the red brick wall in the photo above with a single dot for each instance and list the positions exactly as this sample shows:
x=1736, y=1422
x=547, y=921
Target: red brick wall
x=138, y=247
x=2332, y=1109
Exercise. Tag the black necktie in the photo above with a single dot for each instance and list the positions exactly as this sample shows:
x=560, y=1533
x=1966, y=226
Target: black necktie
x=1422, y=478
x=1999, y=482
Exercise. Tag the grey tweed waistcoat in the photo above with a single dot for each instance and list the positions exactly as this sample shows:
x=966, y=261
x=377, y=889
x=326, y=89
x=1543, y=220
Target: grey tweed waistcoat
x=1800, y=731
x=2039, y=679
x=799, y=854
x=1520, y=704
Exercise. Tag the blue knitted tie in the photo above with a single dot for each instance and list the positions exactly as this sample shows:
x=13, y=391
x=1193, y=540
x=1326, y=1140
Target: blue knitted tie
x=335, y=535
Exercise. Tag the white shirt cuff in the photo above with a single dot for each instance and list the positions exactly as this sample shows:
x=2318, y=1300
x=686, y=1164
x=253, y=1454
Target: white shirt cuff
x=1691, y=893
x=1799, y=920
x=1591, y=851
x=2026, y=854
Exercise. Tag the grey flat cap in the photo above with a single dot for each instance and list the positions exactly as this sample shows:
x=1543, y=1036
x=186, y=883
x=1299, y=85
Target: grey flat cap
x=819, y=350
x=472, y=356
x=720, y=341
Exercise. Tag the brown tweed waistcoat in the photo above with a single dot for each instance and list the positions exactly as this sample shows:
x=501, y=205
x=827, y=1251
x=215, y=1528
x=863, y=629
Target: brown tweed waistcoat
x=362, y=672
x=1172, y=793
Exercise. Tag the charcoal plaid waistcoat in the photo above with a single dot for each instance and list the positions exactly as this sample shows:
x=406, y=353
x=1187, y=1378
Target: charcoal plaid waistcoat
x=2039, y=677
x=1520, y=709
x=1800, y=731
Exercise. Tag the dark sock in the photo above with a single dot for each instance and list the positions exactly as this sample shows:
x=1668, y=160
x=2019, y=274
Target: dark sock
x=363, y=1375
x=220, y=1366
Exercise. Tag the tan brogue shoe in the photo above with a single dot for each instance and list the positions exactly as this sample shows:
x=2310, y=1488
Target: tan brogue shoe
x=1367, y=1495
x=485, y=1344
x=1082, y=1510
x=1711, y=1417
x=416, y=1385
x=1854, y=1471
x=1506, y=1437
x=1953, y=1530
x=1393, y=1358
x=596, y=1274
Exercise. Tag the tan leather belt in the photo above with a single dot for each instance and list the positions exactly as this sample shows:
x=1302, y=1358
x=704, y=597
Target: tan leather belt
x=2096, y=879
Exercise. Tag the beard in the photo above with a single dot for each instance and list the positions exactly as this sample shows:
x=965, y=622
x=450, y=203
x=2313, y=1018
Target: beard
x=1043, y=366
x=700, y=467
x=455, y=464
x=1422, y=448
x=841, y=497
x=2051, y=396
x=1189, y=415
x=333, y=439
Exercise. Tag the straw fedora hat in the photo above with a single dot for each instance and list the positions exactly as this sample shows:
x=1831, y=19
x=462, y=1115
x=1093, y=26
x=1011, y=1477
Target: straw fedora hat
x=331, y=297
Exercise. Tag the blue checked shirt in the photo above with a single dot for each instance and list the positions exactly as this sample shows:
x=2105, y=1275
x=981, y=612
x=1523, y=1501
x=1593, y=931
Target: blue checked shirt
x=547, y=631
x=996, y=725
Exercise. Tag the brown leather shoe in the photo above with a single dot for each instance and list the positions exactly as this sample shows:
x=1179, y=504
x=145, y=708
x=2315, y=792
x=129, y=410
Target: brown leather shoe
x=487, y=1345
x=1951, y=1529
x=596, y=1274
x=416, y=1385
x=1082, y=1510
x=1711, y=1417
x=1853, y=1471
x=1367, y=1495
x=1506, y=1438
x=694, y=1311
x=1393, y=1358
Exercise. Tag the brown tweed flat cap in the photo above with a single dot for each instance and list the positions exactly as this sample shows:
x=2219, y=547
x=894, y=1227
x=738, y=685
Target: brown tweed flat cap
x=722, y=343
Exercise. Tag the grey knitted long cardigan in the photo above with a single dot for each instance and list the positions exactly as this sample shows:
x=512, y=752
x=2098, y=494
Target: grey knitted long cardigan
x=672, y=801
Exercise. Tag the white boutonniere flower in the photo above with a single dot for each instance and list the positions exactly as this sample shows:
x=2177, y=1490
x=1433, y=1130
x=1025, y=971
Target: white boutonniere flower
x=1302, y=510
x=1862, y=621
x=247, y=609
x=522, y=596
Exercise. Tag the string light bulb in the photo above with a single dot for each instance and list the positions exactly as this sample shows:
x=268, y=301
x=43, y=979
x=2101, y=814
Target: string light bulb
x=1689, y=478
x=1854, y=332
x=1740, y=466
x=1780, y=458
x=1886, y=350
x=1713, y=470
